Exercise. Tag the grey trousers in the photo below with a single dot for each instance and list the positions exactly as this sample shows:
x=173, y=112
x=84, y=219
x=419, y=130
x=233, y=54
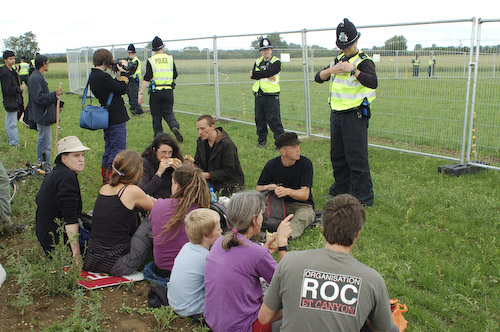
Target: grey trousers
x=141, y=246
x=5, y=211
x=303, y=216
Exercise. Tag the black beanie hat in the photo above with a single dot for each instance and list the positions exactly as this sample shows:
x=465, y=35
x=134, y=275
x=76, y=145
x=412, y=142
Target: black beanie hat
x=346, y=34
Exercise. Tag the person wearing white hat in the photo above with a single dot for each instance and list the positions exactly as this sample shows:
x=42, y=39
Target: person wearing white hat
x=60, y=198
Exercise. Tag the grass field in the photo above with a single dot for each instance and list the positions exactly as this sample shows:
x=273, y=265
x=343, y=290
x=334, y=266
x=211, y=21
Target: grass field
x=434, y=238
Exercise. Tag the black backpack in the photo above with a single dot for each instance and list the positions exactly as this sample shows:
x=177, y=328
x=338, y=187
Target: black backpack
x=275, y=211
x=221, y=210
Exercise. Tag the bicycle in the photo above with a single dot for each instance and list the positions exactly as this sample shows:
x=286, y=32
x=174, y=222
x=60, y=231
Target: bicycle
x=37, y=170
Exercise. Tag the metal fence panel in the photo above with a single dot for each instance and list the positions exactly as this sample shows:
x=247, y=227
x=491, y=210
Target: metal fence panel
x=425, y=113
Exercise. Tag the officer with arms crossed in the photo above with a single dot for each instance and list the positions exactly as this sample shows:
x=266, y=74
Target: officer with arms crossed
x=160, y=75
x=133, y=83
x=266, y=89
x=327, y=289
x=352, y=88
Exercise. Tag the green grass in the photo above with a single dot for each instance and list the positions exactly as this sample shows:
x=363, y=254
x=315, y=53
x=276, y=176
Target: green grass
x=434, y=238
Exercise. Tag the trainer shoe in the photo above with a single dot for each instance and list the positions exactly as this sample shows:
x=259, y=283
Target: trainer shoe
x=261, y=145
x=178, y=135
x=14, y=229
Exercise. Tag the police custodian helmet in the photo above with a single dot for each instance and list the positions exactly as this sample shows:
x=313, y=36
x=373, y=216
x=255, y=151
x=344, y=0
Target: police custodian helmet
x=157, y=44
x=346, y=34
x=265, y=44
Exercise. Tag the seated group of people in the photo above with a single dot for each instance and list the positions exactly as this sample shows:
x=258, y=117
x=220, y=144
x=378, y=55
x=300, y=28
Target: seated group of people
x=205, y=273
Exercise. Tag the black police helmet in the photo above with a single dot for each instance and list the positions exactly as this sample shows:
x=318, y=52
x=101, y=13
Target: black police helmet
x=265, y=44
x=346, y=34
x=131, y=48
x=157, y=44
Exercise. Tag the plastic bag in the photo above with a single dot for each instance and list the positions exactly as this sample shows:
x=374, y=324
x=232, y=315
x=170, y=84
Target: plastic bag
x=397, y=314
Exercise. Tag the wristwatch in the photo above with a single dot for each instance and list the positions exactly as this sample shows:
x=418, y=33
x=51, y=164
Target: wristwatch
x=353, y=71
x=284, y=248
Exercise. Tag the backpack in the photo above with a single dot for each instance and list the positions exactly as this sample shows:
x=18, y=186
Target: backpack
x=221, y=210
x=275, y=211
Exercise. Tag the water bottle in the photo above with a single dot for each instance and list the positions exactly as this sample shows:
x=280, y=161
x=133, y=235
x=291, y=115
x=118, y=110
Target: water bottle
x=365, y=108
x=213, y=196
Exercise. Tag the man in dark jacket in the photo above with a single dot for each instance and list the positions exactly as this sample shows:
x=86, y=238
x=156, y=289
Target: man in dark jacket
x=12, y=97
x=217, y=156
x=60, y=198
x=42, y=107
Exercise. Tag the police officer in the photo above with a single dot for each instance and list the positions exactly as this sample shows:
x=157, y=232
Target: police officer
x=160, y=75
x=266, y=89
x=133, y=84
x=416, y=66
x=353, y=81
x=23, y=70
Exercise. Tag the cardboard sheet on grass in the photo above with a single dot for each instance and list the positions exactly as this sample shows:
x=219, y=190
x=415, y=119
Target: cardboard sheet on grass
x=92, y=280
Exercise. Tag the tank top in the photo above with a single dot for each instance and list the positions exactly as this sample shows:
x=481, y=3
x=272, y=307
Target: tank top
x=113, y=223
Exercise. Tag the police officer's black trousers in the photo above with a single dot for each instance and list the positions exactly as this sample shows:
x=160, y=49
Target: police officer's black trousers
x=132, y=91
x=349, y=156
x=267, y=112
x=161, y=103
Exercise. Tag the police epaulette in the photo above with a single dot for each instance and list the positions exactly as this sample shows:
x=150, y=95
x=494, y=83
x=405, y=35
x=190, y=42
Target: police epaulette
x=363, y=55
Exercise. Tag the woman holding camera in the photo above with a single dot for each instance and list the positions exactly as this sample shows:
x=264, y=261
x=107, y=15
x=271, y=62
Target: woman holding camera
x=102, y=85
x=160, y=158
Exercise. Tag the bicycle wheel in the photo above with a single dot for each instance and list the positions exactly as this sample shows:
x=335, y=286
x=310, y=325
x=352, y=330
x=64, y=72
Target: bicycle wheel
x=13, y=189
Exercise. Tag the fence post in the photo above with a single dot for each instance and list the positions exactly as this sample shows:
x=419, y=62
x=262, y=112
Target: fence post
x=216, y=79
x=307, y=103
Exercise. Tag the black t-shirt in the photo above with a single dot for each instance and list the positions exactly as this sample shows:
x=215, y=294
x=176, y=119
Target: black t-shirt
x=296, y=176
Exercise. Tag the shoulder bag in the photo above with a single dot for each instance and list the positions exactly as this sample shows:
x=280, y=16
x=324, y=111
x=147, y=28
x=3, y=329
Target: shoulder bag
x=94, y=117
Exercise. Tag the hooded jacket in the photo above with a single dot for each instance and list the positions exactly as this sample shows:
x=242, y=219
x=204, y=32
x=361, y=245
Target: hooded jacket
x=223, y=165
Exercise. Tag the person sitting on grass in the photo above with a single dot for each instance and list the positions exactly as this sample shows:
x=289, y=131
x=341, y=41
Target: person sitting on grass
x=327, y=289
x=60, y=198
x=233, y=292
x=160, y=158
x=186, y=289
x=189, y=192
x=119, y=241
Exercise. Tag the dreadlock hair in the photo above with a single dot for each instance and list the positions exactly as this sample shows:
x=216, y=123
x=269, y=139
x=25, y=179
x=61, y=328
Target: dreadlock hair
x=241, y=209
x=127, y=168
x=192, y=189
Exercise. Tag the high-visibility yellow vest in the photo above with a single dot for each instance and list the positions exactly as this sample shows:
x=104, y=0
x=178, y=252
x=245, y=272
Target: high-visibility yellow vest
x=138, y=70
x=346, y=91
x=33, y=63
x=23, y=69
x=163, y=70
x=416, y=62
x=265, y=84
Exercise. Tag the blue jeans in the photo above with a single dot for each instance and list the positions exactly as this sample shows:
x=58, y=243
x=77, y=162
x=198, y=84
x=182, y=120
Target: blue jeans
x=149, y=274
x=115, y=140
x=44, y=143
x=11, y=128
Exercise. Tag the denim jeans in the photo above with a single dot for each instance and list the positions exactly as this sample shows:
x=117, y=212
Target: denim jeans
x=115, y=140
x=149, y=274
x=11, y=128
x=44, y=143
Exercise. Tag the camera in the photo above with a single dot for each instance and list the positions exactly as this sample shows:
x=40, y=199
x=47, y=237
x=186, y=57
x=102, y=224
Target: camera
x=128, y=67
